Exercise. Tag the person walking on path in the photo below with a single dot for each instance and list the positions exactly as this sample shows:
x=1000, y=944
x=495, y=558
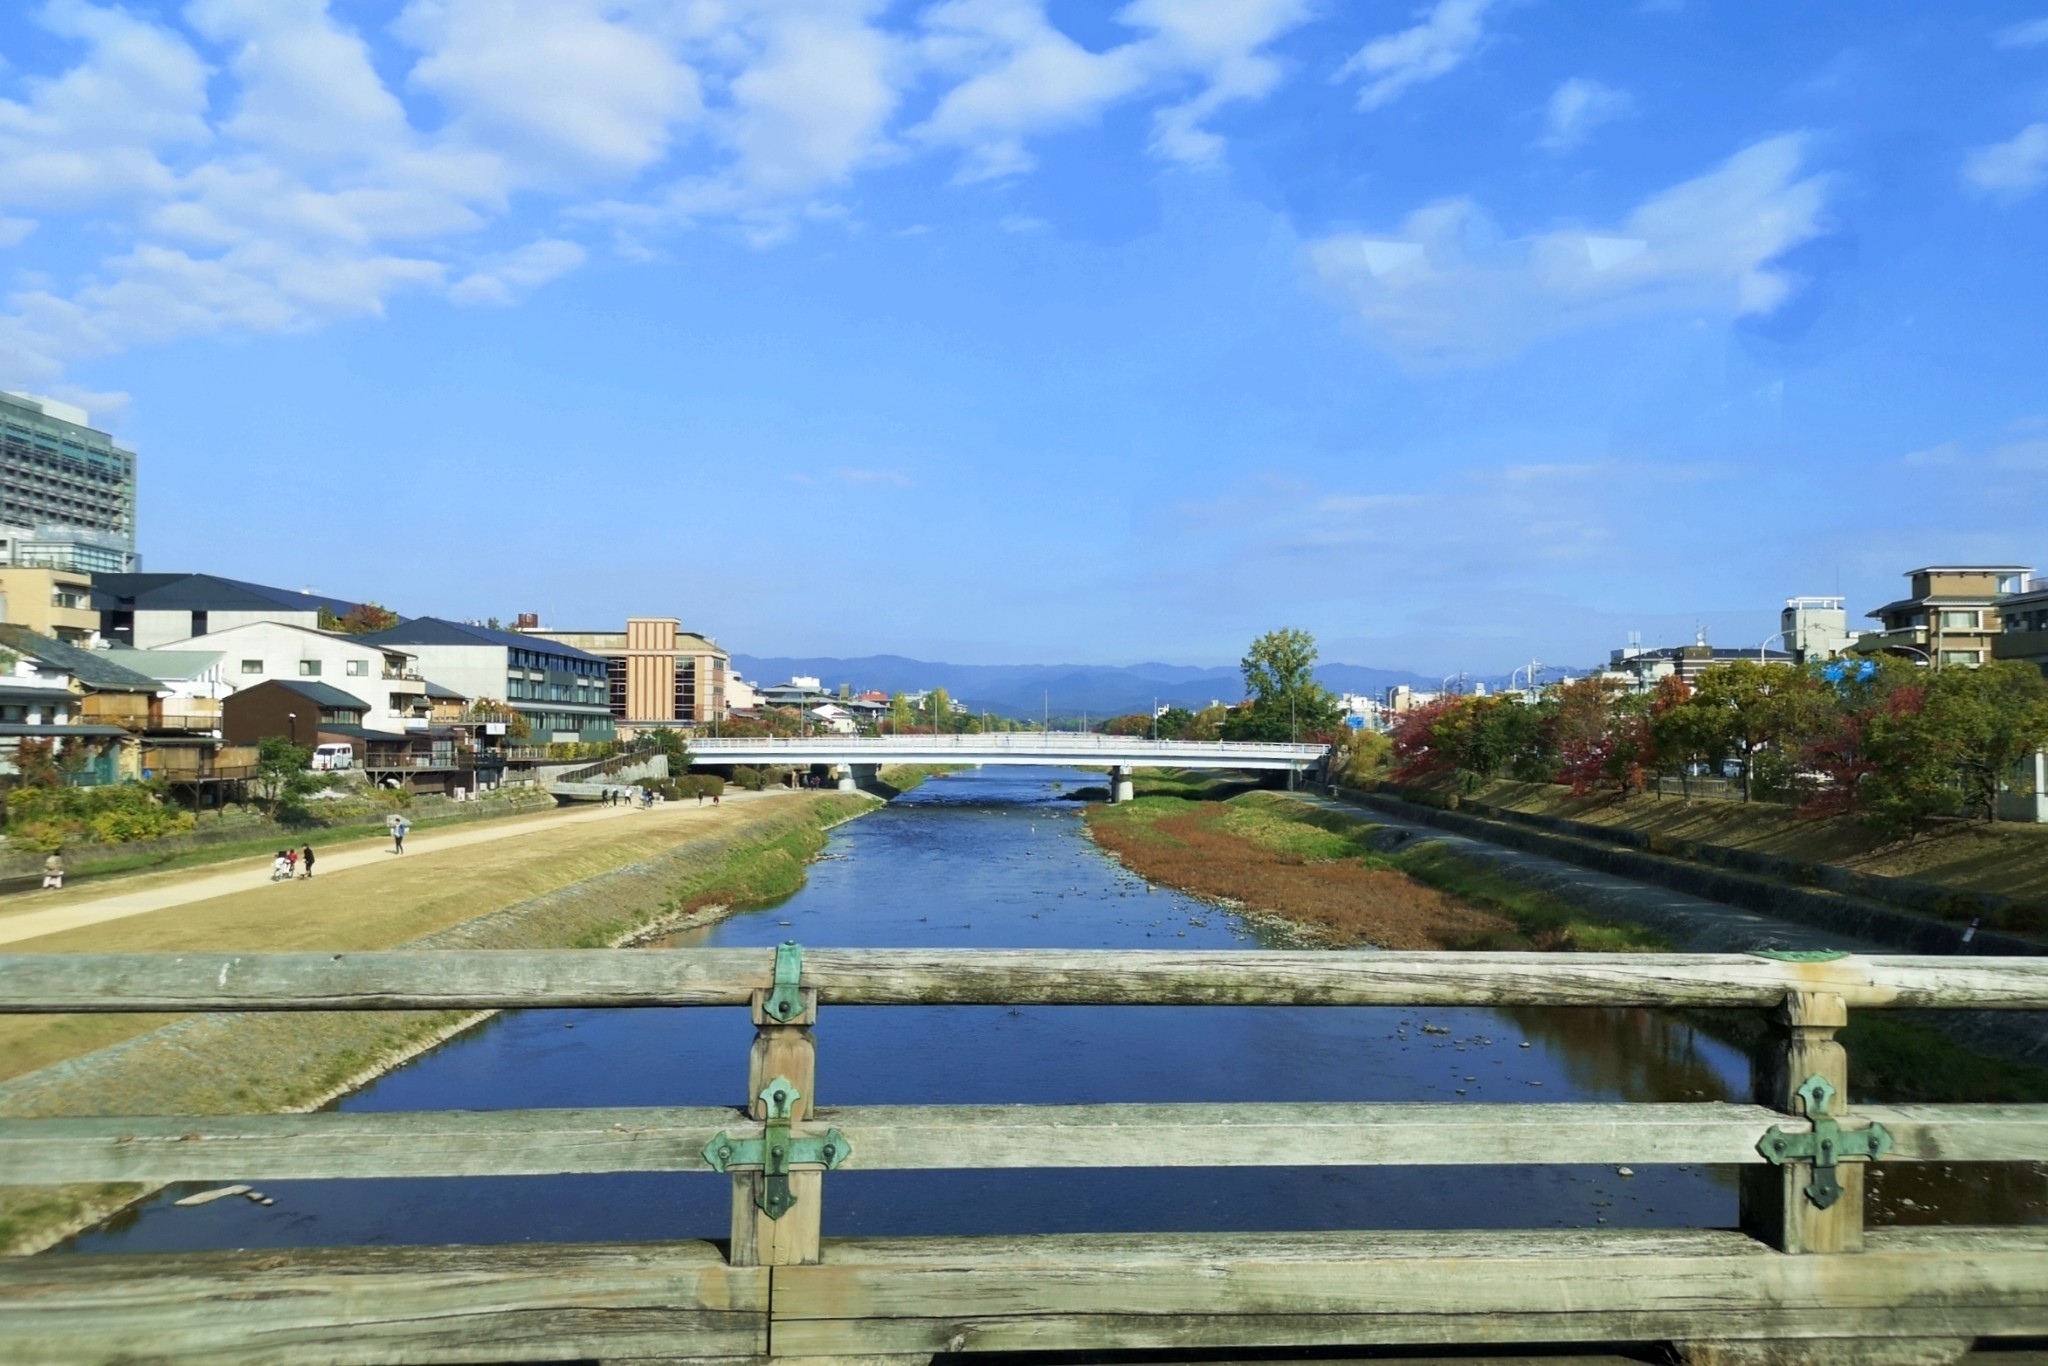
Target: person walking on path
x=306, y=860
x=291, y=863
x=53, y=871
x=278, y=868
x=399, y=825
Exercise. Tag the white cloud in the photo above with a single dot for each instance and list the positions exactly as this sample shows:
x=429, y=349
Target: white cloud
x=1576, y=108
x=2013, y=169
x=1022, y=224
x=502, y=280
x=272, y=165
x=1025, y=77
x=1450, y=31
x=94, y=134
x=893, y=477
x=1221, y=42
x=2031, y=33
x=1708, y=245
x=569, y=87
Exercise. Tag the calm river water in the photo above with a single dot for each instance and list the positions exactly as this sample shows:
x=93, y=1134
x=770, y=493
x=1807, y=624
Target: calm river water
x=994, y=859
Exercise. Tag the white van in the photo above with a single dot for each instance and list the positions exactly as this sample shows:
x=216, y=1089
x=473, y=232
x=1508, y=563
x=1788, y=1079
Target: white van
x=332, y=758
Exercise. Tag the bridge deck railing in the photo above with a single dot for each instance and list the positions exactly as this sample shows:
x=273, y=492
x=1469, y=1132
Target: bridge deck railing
x=1802, y=1279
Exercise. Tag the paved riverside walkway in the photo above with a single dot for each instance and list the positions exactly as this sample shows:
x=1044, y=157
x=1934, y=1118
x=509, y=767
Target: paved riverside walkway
x=1692, y=924
x=24, y=916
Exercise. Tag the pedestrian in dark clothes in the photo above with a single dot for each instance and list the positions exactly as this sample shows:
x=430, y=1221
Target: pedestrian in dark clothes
x=306, y=859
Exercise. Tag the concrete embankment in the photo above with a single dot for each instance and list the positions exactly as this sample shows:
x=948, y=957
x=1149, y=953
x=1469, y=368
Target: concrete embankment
x=1833, y=913
x=1710, y=910
x=252, y=1064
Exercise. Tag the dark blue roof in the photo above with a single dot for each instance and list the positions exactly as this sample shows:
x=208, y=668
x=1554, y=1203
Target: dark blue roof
x=441, y=631
x=204, y=593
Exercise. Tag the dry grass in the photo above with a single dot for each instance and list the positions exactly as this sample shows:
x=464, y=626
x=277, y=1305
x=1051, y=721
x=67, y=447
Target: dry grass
x=372, y=907
x=1193, y=848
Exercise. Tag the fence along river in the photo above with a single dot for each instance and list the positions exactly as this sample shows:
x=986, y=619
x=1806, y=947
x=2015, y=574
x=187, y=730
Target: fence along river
x=993, y=859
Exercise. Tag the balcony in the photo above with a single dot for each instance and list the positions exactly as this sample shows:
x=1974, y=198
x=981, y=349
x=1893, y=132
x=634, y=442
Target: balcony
x=200, y=763
x=386, y=761
x=186, y=713
x=129, y=709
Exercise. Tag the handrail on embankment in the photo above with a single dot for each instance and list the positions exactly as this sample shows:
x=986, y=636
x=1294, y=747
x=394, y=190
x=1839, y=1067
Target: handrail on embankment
x=1802, y=1279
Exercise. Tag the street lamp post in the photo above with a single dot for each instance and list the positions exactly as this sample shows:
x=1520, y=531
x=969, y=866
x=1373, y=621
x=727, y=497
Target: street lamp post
x=1929, y=659
x=1775, y=635
x=292, y=721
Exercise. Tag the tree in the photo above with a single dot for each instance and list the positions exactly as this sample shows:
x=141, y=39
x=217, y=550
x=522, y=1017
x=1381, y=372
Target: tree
x=1755, y=702
x=671, y=742
x=902, y=716
x=941, y=709
x=1173, y=723
x=1985, y=720
x=281, y=779
x=1132, y=723
x=1206, y=724
x=1286, y=701
x=359, y=620
x=1683, y=734
x=35, y=761
x=1583, y=735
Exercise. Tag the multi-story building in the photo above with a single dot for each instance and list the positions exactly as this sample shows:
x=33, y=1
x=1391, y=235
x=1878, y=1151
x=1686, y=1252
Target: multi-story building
x=51, y=602
x=657, y=674
x=562, y=692
x=385, y=678
x=2024, y=618
x=1816, y=628
x=67, y=492
x=1953, y=615
x=1645, y=669
x=147, y=610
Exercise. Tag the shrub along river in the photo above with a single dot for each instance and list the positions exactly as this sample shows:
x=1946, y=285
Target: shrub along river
x=995, y=859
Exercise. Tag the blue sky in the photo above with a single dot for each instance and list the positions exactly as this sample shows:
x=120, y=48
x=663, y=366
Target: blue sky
x=1016, y=330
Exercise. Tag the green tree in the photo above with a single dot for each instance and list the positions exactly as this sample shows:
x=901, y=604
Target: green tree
x=1684, y=734
x=941, y=708
x=1173, y=723
x=902, y=716
x=1286, y=701
x=359, y=620
x=1984, y=721
x=281, y=779
x=1131, y=723
x=1756, y=705
x=1206, y=724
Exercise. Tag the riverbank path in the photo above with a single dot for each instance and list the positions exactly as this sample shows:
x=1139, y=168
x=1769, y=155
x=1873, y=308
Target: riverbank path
x=34, y=915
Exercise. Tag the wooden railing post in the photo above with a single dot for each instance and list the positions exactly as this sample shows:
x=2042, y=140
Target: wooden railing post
x=782, y=1048
x=1775, y=1208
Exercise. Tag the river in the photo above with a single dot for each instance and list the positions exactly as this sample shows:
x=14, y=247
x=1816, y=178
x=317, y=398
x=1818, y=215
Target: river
x=994, y=859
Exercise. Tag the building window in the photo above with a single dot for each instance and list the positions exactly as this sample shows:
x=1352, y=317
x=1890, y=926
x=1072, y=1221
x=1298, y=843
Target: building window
x=199, y=623
x=309, y=668
x=252, y=666
x=359, y=668
x=1966, y=621
x=1966, y=657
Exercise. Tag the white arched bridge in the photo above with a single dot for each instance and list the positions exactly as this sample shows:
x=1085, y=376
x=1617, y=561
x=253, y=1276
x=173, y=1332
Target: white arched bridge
x=857, y=757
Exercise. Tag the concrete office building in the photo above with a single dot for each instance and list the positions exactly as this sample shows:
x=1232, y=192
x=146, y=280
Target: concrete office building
x=657, y=674
x=1816, y=628
x=52, y=602
x=67, y=492
x=560, y=691
x=2024, y=615
x=384, y=678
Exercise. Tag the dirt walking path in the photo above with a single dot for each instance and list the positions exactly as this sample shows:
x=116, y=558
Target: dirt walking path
x=33, y=916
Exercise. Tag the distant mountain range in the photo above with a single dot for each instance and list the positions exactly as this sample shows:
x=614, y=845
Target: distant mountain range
x=1025, y=690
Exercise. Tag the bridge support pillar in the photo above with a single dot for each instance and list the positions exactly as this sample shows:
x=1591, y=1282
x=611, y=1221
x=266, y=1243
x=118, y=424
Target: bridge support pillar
x=781, y=1049
x=1293, y=779
x=847, y=782
x=1121, y=786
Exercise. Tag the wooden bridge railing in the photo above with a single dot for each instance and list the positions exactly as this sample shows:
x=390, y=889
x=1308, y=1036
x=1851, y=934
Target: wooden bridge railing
x=1802, y=1279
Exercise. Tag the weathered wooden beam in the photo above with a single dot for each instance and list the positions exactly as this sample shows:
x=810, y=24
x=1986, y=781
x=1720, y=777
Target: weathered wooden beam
x=1392, y=1288
x=326, y=1146
x=366, y=1306
x=513, y=979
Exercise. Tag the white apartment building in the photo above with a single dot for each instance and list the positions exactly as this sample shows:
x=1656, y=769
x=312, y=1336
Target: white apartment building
x=386, y=679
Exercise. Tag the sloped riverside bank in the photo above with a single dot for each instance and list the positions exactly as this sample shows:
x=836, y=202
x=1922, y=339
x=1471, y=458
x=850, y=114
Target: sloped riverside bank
x=258, y=1064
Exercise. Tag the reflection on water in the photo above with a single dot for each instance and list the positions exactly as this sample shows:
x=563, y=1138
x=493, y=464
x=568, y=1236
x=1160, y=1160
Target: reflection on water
x=993, y=859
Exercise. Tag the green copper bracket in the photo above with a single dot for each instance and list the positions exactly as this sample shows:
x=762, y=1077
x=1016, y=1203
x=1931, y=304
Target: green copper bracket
x=776, y=1150
x=1800, y=955
x=785, y=1002
x=1824, y=1145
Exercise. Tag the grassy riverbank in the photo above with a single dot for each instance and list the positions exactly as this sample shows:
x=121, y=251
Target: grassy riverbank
x=1331, y=876
x=253, y=1064
x=1325, y=872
